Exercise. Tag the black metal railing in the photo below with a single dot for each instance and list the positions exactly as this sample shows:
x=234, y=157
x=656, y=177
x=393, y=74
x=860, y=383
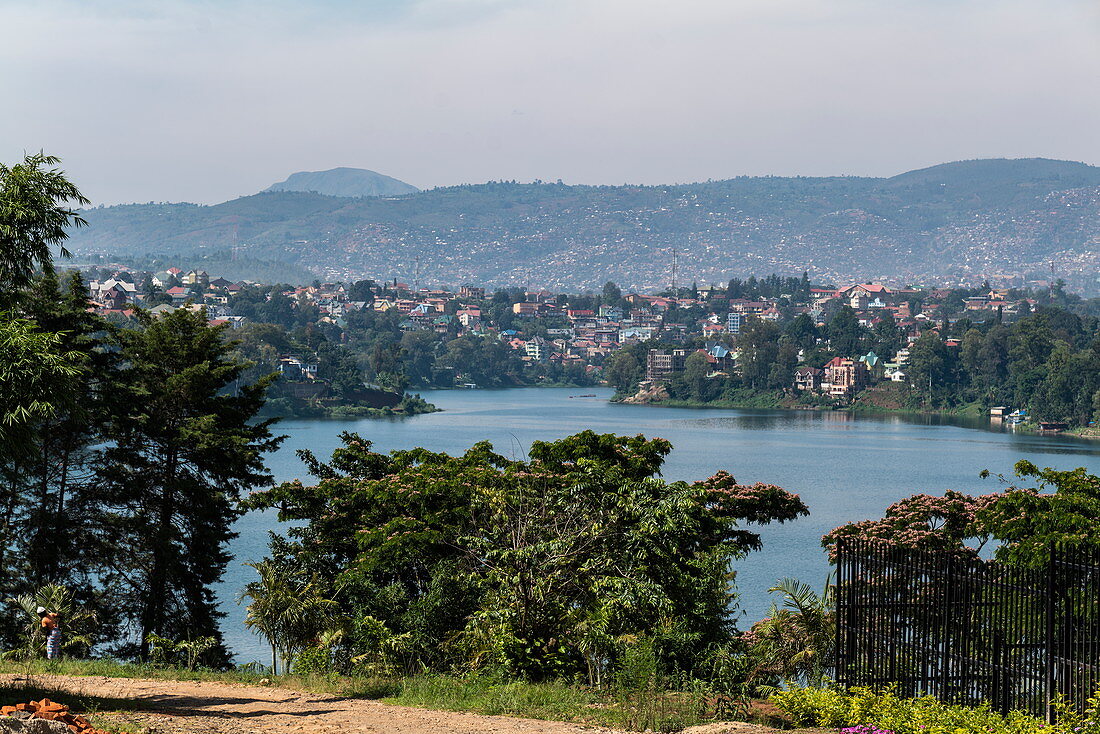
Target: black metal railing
x=967, y=630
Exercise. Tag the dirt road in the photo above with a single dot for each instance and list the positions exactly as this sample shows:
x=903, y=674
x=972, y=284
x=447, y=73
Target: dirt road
x=185, y=707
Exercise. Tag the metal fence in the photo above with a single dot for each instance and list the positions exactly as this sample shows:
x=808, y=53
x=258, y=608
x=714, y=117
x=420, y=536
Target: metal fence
x=968, y=631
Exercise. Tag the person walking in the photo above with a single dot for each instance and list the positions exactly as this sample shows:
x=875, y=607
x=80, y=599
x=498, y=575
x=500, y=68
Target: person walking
x=51, y=624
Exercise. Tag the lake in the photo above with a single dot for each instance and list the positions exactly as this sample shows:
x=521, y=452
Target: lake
x=845, y=467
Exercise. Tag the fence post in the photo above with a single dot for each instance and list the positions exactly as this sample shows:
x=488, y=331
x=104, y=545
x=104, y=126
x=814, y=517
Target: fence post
x=999, y=689
x=1048, y=679
x=945, y=627
x=839, y=668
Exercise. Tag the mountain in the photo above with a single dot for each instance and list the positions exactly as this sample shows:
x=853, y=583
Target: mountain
x=969, y=219
x=352, y=182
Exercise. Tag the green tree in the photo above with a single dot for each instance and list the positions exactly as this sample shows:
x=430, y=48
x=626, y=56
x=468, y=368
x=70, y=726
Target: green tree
x=623, y=370
x=759, y=350
x=76, y=621
x=543, y=567
x=56, y=472
x=184, y=444
x=287, y=609
x=795, y=642
x=611, y=295
x=33, y=219
x=1027, y=520
x=801, y=331
x=845, y=333
x=1063, y=508
x=928, y=365
x=693, y=381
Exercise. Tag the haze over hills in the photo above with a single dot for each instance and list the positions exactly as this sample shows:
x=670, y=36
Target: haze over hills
x=351, y=182
x=969, y=219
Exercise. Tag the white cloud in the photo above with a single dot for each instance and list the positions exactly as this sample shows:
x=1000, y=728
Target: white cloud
x=202, y=101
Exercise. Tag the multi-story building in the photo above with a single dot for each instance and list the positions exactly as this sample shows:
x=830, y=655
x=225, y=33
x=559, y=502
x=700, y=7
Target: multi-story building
x=660, y=364
x=808, y=379
x=526, y=308
x=845, y=376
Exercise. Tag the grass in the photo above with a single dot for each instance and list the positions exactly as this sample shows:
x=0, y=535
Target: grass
x=652, y=711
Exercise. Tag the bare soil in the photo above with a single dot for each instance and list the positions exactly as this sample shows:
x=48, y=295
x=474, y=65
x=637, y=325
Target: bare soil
x=190, y=707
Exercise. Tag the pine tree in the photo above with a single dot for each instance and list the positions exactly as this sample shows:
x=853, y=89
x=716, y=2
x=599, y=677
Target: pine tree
x=185, y=446
x=58, y=467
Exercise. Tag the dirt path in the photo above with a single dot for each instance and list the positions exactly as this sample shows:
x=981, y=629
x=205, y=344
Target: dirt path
x=188, y=707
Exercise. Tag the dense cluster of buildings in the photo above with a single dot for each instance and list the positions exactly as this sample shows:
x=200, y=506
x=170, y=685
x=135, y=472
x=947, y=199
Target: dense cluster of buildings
x=546, y=327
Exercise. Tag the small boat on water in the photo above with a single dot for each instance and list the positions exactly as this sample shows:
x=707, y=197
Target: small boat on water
x=589, y=395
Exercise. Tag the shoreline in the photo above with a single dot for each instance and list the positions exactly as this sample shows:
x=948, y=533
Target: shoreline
x=966, y=412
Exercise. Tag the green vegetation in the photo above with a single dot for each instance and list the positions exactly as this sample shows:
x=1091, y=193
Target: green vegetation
x=33, y=219
x=883, y=710
x=561, y=566
x=387, y=350
x=123, y=451
x=1047, y=363
x=1064, y=507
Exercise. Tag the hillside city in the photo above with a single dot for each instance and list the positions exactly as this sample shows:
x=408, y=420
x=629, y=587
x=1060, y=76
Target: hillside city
x=543, y=337
x=1012, y=223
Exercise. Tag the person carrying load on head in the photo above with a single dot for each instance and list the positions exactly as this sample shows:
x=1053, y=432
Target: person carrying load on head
x=51, y=625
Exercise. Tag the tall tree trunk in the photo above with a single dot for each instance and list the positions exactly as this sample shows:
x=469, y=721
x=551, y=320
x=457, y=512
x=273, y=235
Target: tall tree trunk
x=157, y=581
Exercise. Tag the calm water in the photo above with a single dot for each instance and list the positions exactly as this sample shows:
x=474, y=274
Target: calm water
x=844, y=467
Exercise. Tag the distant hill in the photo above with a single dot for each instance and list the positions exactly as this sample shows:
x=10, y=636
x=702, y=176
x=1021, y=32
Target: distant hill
x=352, y=182
x=957, y=220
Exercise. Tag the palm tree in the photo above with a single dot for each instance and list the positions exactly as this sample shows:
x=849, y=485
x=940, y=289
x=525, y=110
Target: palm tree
x=796, y=641
x=287, y=609
x=55, y=598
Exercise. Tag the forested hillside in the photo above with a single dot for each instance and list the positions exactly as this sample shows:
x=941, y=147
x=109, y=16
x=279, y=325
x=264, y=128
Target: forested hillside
x=969, y=219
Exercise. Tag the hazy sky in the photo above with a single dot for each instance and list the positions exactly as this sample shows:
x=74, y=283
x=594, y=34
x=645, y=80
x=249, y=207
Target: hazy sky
x=192, y=100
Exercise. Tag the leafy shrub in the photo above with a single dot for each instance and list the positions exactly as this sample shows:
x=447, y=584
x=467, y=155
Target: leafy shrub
x=868, y=711
x=181, y=653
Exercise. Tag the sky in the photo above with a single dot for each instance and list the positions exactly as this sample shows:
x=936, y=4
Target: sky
x=203, y=101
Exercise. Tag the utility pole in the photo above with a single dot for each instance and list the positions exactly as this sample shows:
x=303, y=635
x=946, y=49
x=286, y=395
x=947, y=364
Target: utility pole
x=675, y=266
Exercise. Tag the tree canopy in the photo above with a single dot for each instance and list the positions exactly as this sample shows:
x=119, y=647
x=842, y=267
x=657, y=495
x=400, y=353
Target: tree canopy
x=34, y=217
x=543, y=567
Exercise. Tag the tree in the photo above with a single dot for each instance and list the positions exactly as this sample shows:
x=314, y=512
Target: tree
x=925, y=522
x=33, y=218
x=184, y=444
x=623, y=370
x=551, y=566
x=362, y=290
x=928, y=364
x=1027, y=520
x=34, y=366
x=845, y=333
x=1024, y=521
x=801, y=331
x=795, y=641
x=693, y=382
x=758, y=343
x=611, y=295
x=57, y=468
x=287, y=609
